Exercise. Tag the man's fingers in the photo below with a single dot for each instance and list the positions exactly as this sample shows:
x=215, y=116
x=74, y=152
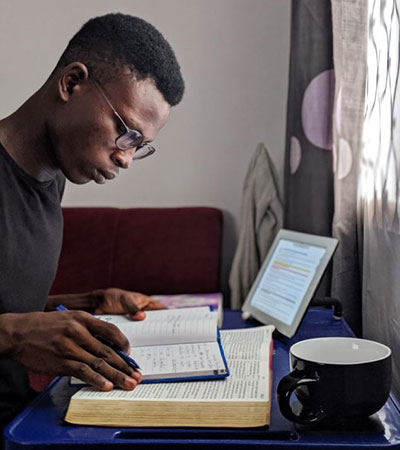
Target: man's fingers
x=137, y=375
x=143, y=302
x=99, y=347
x=64, y=343
x=112, y=357
x=87, y=333
x=135, y=304
x=154, y=304
x=149, y=305
x=104, y=353
x=98, y=372
x=88, y=375
x=140, y=302
x=141, y=315
x=108, y=331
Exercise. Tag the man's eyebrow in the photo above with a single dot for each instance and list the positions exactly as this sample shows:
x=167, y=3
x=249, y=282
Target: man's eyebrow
x=134, y=126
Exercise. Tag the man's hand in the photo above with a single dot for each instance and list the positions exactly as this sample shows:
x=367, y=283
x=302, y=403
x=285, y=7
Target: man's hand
x=118, y=301
x=64, y=343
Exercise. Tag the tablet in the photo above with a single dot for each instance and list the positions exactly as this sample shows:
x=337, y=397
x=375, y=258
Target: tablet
x=288, y=278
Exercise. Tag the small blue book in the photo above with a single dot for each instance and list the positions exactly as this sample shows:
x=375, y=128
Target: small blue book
x=174, y=344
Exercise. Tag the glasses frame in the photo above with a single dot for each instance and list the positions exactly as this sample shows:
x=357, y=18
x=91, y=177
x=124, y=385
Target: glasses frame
x=142, y=150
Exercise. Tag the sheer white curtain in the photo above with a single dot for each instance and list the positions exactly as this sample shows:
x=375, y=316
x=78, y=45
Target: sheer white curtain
x=367, y=179
x=380, y=181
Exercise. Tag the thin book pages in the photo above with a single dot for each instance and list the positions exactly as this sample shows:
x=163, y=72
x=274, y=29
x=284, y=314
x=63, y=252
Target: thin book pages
x=214, y=300
x=241, y=400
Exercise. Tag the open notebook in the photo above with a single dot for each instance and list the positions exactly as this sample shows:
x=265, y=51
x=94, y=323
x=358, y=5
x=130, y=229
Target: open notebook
x=174, y=344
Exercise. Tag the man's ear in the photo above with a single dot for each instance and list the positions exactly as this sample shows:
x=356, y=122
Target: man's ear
x=71, y=79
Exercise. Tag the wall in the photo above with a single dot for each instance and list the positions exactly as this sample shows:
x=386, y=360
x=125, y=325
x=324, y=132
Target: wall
x=234, y=56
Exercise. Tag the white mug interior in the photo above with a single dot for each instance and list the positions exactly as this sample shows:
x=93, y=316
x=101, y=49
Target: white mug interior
x=340, y=350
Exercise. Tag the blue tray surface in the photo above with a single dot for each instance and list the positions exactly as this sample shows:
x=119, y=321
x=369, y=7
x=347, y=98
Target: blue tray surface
x=41, y=424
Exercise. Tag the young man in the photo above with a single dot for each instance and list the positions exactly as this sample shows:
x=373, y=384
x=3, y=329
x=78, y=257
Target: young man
x=108, y=97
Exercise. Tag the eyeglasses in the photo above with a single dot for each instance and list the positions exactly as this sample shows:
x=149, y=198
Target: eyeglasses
x=129, y=138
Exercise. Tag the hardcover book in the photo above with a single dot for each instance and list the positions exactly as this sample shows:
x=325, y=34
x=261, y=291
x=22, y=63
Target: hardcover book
x=241, y=400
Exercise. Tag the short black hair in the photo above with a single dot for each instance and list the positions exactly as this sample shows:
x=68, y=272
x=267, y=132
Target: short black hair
x=108, y=43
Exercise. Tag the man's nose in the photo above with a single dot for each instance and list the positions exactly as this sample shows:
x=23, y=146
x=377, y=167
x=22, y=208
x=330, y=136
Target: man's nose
x=123, y=158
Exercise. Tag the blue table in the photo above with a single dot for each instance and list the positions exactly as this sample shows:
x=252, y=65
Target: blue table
x=41, y=426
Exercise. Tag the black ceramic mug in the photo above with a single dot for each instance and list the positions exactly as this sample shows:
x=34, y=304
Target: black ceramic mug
x=336, y=379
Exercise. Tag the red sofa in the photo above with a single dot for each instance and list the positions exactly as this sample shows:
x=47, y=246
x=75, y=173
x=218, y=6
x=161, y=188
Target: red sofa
x=148, y=250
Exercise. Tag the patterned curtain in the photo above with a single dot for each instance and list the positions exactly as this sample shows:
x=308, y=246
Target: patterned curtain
x=350, y=41
x=308, y=163
x=366, y=143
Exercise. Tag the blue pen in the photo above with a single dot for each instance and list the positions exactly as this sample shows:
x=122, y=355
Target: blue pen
x=130, y=361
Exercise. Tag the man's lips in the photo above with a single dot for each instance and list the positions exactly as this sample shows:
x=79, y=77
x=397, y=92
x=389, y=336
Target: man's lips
x=101, y=176
x=107, y=175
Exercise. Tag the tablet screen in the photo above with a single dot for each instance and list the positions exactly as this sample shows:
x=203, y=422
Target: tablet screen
x=288, y=278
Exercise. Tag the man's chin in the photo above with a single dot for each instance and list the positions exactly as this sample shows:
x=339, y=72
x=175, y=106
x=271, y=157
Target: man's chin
x=77, y=179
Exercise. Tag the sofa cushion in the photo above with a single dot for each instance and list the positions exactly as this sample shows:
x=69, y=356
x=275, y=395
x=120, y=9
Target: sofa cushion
x=149, y=250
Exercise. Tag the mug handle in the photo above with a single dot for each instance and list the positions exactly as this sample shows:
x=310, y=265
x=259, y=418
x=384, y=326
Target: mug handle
x=286, y=386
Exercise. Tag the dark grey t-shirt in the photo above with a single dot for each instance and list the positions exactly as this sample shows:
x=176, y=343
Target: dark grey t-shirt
x=31, y=226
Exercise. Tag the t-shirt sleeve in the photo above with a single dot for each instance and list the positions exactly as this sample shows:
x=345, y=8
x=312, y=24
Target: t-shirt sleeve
x=61, y=184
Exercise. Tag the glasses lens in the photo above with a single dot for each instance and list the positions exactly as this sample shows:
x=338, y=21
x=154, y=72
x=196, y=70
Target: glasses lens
x=143, y=152
x=130, y=139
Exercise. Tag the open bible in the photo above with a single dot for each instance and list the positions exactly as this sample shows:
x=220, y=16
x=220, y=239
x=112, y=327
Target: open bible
x=241, y=400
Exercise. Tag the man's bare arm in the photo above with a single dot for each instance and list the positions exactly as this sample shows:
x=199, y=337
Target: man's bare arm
x=65, y=343
x=107, y=301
